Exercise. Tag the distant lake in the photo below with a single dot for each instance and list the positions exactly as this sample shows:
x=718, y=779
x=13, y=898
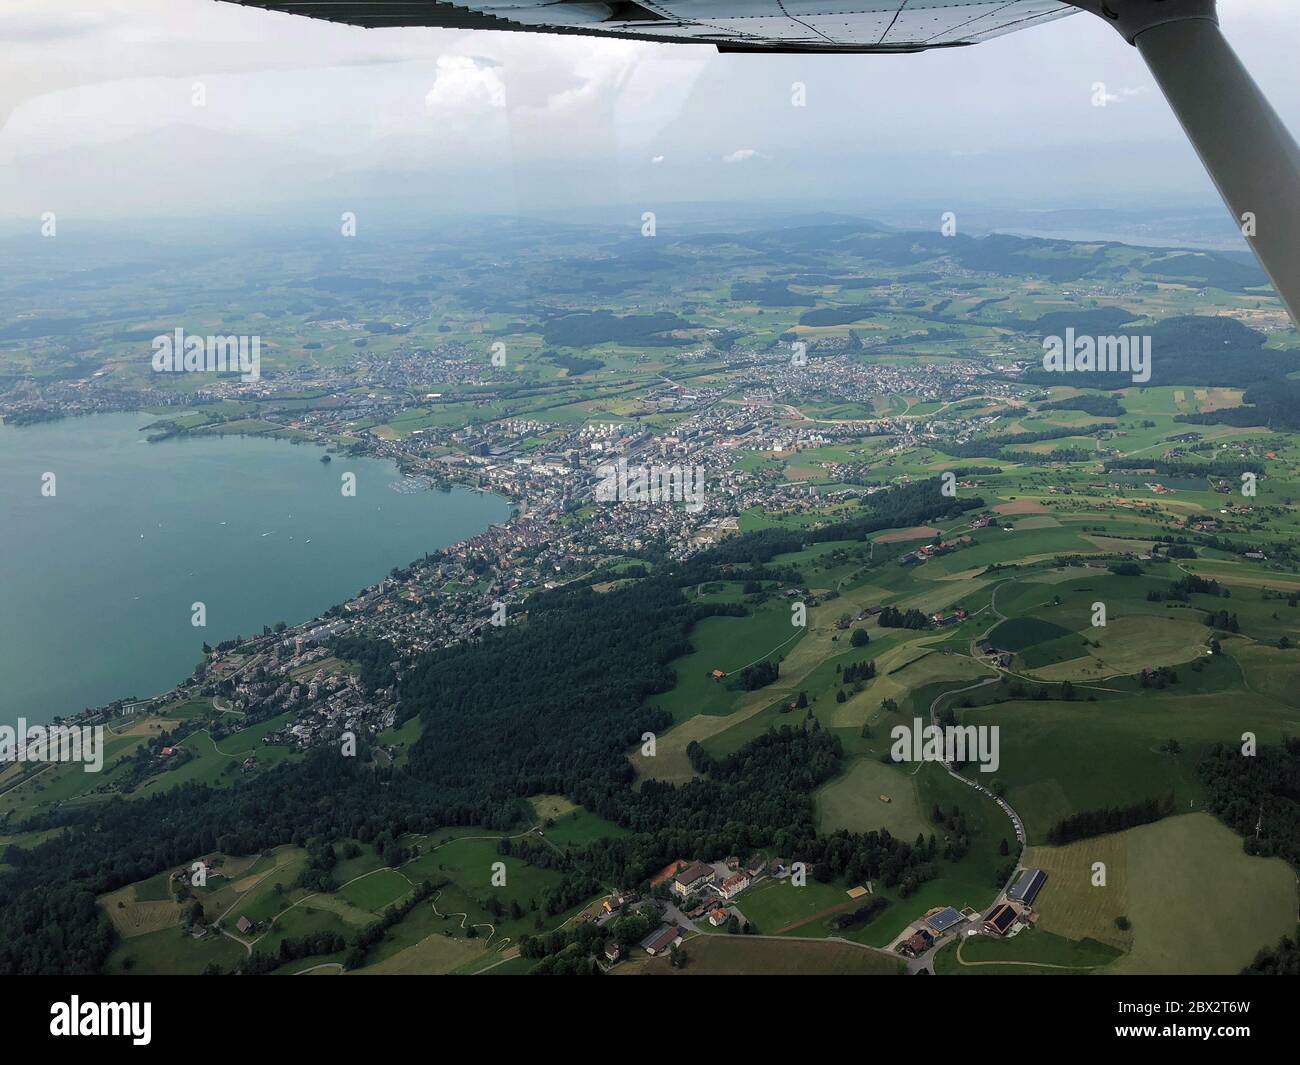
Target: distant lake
x=96, y=583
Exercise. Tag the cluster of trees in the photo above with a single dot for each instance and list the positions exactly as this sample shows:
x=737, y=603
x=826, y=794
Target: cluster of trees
x=1212, y=351
x=567, y=951
x=1274, y=403
x=916, y=503
x=586, y=330
x=993, y=447
x=1097, y=406
x=375, y=658
x=855, y=675
x=1089, y=823
x=307, y=946
x=321, y=859
x=1230, y=469
x=1257, y=797
x=893, y=618
x=1221, y=619
x=862, y=915
x=1160, y=677
x=1181, y=591
x=759, y=675
x=1125, y=569
x=858, y=857
x=374, y=933
x=954, y=822
x=855, y=671
x=577, y=365
x=1282, y=960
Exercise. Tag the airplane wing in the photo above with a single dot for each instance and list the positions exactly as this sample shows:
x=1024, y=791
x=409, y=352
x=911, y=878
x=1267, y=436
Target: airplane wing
x=730, y=25
x=1248, y=151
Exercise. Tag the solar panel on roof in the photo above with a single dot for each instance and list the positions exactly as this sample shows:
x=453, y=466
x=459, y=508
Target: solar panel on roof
x=944, y=919
x=1026, y=889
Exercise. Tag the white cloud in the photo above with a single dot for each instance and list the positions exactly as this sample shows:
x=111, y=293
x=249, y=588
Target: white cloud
x=465, y=83
x=528, y=110
x=1107, y=97
x=602, y=68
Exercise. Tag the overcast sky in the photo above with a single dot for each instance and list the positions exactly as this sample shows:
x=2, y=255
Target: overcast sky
x=97, y=101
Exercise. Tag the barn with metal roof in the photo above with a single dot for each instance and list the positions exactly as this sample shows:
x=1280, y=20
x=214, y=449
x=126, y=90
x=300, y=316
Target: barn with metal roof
x=1026, y=889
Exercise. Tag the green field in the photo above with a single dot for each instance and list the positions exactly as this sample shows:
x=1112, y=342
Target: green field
x=727, y=644
x=853, y=801
x=1197, y=903
x=376, y=891
x=741, y=956
x=1018, y=634
x=1032, y=952
x=1059, y=758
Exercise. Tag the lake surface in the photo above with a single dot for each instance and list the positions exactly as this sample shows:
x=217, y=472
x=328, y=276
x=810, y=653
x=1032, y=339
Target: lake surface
x=97, y=582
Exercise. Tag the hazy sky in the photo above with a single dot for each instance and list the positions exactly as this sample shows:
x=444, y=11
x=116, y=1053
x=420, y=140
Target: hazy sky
x=99, y=116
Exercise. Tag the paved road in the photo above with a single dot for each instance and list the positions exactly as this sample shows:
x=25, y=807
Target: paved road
x=1006, y=806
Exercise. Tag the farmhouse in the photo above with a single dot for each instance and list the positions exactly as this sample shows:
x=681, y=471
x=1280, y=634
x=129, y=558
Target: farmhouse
x=615, y=902
x=1001, y=919
x=696, y=912
x=244, y=925
x=1026, y=889
x=666, y=938
x=919, y=943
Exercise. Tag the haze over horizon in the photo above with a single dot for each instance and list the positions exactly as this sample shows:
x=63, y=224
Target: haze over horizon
x=100, y=118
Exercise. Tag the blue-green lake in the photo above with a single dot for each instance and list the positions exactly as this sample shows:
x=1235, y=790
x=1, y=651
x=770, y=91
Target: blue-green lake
x=98, y=580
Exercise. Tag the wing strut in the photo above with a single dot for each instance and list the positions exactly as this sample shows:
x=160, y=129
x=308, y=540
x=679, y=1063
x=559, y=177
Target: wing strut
x=1249, y=153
